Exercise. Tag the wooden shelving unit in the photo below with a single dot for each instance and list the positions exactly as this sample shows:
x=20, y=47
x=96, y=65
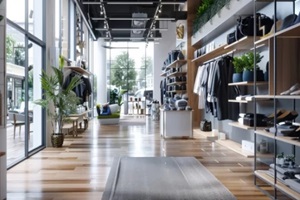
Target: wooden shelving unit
x=246, y=83
x=211, y=55
x=79, y=70
x=265, y=133
x=176, y=64
x=164, y=73
x=236, y=147
x=263, y=174
x=238, y=101
x=244, y=43
x=176, y=74
x=177, y=83
x=175, y=91
x=289, y=140
x=238, y=125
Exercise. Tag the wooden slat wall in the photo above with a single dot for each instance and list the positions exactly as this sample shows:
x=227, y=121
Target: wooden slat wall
x=192, y=68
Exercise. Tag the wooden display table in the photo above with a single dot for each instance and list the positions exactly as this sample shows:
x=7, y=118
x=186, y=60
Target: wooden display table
x=82, y=119
x=71, y=126
x=176, y=123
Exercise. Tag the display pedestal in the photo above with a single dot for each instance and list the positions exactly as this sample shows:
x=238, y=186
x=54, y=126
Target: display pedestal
x=176, y=123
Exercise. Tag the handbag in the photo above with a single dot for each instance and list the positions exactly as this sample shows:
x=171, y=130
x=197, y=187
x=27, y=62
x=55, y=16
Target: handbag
x=205, y=125
x=245, y=26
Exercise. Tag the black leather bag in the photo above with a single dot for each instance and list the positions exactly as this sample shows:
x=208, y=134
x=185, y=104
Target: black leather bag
x=245, y=26
x=205, y=125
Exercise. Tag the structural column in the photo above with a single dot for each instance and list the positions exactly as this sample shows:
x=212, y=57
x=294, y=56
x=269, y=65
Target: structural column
x=3, y=103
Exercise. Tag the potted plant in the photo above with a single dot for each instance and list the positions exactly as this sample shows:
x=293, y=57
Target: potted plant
x=238, y=64
x=59, y=101
x=248, y=73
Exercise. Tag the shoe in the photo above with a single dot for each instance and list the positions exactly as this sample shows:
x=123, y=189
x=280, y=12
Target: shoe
x=292, y=89
x=297, y=92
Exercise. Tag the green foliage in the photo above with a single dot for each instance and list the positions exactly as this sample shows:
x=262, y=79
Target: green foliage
x=249, y=60
x=120, y=96
x=147, y=65
x=206, y=11
x=123, y=73
x=9, y=44
x=59, y=102
x=238, y=64
x=246, y=61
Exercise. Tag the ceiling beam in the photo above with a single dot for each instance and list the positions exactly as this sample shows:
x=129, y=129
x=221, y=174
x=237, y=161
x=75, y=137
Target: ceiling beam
x=135, y=2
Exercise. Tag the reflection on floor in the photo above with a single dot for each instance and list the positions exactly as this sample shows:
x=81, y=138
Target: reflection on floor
x=80, y=169
x=15, y=146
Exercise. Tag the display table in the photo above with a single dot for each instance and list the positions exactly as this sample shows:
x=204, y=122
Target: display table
x=176, y=123
x=71, y=126
x=82, y=118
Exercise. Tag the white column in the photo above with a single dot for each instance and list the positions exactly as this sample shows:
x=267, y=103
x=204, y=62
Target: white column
x=51, y=52
x=3, y=103
x=100, y=70
x=161, y=51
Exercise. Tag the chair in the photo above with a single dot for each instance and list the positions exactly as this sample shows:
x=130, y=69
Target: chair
x=17, y=123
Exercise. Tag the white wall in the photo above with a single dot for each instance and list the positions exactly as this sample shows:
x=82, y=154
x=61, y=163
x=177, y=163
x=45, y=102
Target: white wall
x=161, y=50
x=50, y=52
x=2, y=102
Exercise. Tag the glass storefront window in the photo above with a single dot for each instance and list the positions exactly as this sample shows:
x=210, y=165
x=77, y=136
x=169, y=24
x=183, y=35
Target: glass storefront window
x=35, y=18
x=16, y=11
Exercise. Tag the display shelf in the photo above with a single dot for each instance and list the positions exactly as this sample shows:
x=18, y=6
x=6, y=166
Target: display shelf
x=176, y=74
x=265, y=133
x=177, y=83
x=212, y=54
x=244, y=43
x=247, y=83
x=238, y=125
x=287, y=97
x=238, y=101
x=263, y=174
x=176, y=64
x=236, y=147
x=175, y=91
x=79, y=70
x=264, y=97
x=289, y=140
x=164, y=73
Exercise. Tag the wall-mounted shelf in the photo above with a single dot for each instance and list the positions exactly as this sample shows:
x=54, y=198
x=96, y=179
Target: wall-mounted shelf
x=79, y=70
x=164, y=73
x=265, y=133
x=176, y=74
x=244, y=43
x=238, y=101
x=176, y=91
x=263, y=174
x=291, y=97
x=289, y=140
x=176, y=64
x=238, y=125
x=236, y=147
x=247, y=83
x=210, y=55
x=177, y=83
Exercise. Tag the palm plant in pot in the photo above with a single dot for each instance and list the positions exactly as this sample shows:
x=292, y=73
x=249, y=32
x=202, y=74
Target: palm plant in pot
x=58, y=100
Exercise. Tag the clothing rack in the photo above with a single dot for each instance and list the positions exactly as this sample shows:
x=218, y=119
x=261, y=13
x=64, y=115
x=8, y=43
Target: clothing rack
x=216, y=58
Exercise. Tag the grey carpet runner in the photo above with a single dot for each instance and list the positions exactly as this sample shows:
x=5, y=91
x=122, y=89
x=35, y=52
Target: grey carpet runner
x=162, y=178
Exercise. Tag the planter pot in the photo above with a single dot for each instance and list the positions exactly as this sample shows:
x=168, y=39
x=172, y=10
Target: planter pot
x=57, y=139
x=260, y=75
x=237, y=77
x=98, y=111
x=248, y=75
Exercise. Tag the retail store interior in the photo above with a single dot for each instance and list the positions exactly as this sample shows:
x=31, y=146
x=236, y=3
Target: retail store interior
x=149, y=99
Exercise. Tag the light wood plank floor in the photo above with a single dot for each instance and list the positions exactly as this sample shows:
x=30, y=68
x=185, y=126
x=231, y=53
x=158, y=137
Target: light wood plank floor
x=79, y=170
